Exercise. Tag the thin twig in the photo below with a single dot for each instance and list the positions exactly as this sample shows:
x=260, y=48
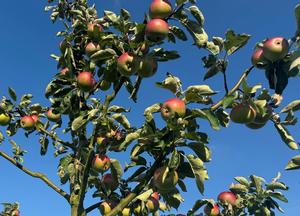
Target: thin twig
x=36, y=175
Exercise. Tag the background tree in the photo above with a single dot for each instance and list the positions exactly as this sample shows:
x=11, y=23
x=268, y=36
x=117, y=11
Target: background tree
x=84, y=84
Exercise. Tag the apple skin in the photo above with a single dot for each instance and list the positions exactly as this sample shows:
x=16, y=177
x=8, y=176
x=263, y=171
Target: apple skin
x=110, y=182
x=127, y=64
x=155, y=195
x=227, y=197
x=212, y=211
x=169, y=182
x=91, y=48
x=35, y=118
x=258, y=60
x=147, y=66
x=171, y=107
x=260, y=120
x=27, y=123
x=86, y=81
x=15, y=213
x=157, y=30
x=106, y=207
x=152, y=204
x=126, y=212
x=94, y=30
x=160, y=9
x=242, y=114
x=52, y=116
x=65, y=71
x=101, y=163
x=275, y=48
x=4, y=119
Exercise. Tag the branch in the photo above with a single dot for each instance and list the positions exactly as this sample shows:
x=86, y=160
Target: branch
x=92, y=207
x=36, y=175
x=137, y=190
x=231, y=91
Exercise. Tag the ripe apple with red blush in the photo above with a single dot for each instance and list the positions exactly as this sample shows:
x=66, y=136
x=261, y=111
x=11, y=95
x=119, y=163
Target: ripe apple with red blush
x=86, y=81
x=275, y=48
x=127, y=64
x=212, y=210
x=227, y=197
x=101, y=163
x=172, y=107
x=91, y=48
x=160, y=9
x=27, y=123
x=157, y=30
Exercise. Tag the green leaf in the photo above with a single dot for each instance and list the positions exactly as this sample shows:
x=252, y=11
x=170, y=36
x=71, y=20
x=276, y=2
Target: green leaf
x=144, y=196
x=197, y=32
x=212, y=71
x=198, y=204
x=12, y=93
x=213, y=48
x=161, y=55
x=201, y=150
x=103, y=54
x=117, y=109
x=278, y=196
x=293, y=106
x=276, y=186
x=148, y=113
x=44, y=145
x=174, y=160
x=197, y=14
x=242, y=180
x=129, y=139
x=79, y=122
x=171, y=83
x=286, y=136
x=182, y=185
x=257, y=183
x=122, y=119
x=173, y=198
x=199, y=171
x=294, y=163
x=116, y=168
x=111, y=16
x=179, y=33
x=234, y=41
x=228, y=100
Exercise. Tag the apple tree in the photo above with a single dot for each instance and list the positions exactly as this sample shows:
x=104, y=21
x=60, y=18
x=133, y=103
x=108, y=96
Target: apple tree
x=101, y=55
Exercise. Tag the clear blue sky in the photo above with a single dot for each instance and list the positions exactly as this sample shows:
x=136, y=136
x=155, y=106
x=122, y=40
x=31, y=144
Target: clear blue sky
x=28, y=38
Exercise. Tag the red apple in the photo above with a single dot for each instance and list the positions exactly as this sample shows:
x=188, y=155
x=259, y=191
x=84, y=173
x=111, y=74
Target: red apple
x=109, y=182
x=101, y=163
x=211, y=210
x=35, y=118
x=86, y=81
x=147, y=66
x=167, y=184
x=243, y=113
x=275, y=48
x=227, y=197
x=157, y=30
x=91, y=48
x=4, y=119
x=171, y=107
x=160, y=9
x=54, y=117
x=65, y=71
x=155, y=195
x=127, y=64
x=258, y=59
x=27, y=123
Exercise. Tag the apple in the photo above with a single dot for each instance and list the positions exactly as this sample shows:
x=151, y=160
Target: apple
x=126, y=212
x=104, y=85
x=27, y=123
x=91, y=48
x=4, y=119
x=261, y=120
x=243, y=113
x=152, y=205
x=86, y=81
x=100, y=140
x=35, y=118
x=167, y=184
x=227, y=197
x=171, y=107
x=258, y=60
x=54, y=117
x=106, y=207
x=160, y=9
x=155, y=195
x=101, y=163
x=275, y=48
x=109, y=182
x=157, y=30
x=64, y=71
x=147, y=66
x=15, y=213
x=210, y=210
x=127, y=64
x=94, y=30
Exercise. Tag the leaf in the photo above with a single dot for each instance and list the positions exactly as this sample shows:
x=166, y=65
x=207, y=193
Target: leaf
x=182, y=185
x=201, y=150
x=234, y=42
x=171, y=83
x=117, y=109
x=116, y=168
x=213, y=48
x=44, y=145
x=294, y=163
x=242, y=180
x=197, y=32
x=228, y=100
x=79, y=122
x=198, y=93
x=12, y=93
x=173, y=198
x=103, y=54
x=286, y=136
x=250, y=89
x=257, y=182
x=276, y=186
x=212, y=71
x=198, y=204
x=150, y=110
x=179, y=33
x=212, y=118
x=161, y=55
x=129, y=139
x=122, y=119
x=293, y=106
x=199, y=171
x=174, y=160
x=144, y=196
x=278, y=195
x=197, y=14
x=111, y=16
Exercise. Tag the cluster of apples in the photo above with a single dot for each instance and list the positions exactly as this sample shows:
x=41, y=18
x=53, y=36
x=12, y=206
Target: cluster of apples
x=226, y=197
x=245, y=113
x=29, y=122
x=271, y=50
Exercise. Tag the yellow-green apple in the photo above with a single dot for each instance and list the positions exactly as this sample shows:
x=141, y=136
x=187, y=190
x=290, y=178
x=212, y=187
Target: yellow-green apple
x=126, y=212
x=227, y=197
x=275, y=48
x=106, y=207
x=147, y=66
x=242, y=113
x=54, y=117
x=165, y=183
x=27, y=123
x=127, y=64
x=171, y=107
x=157, y=30
x=91, y=48
x=86, y=81
x=101, y=163
x=160, y=9
x=110, y=182
x=4, y=119
x=210, y=210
